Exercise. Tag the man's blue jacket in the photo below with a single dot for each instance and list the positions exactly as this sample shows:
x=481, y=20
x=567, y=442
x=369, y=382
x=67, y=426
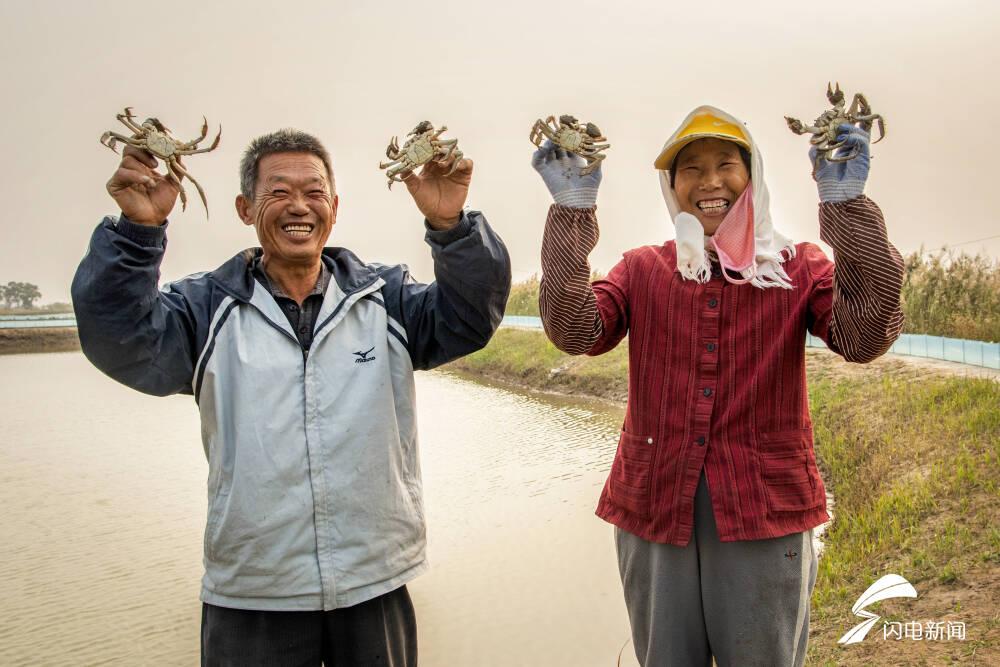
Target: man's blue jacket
x=314, y=491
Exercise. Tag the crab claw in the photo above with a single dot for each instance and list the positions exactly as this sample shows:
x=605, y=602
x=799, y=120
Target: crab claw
x=795, y=125
x=836, y=96
x=215, y=142
x=863, y=108
x=392, y=150
x=881, y=129
x=155, y=122
x=109, y=141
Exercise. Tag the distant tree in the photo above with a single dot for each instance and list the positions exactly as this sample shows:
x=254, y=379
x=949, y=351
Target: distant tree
x=29, y=295
x=23, y=295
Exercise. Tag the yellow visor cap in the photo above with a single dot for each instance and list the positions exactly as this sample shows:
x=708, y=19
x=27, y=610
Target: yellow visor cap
x=701, y=127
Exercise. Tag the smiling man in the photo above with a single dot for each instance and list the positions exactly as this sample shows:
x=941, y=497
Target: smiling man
x=714, y=489
x=300, y=358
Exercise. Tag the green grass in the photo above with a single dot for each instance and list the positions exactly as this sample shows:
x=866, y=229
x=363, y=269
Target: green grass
x=913, y=466
x=527, y=358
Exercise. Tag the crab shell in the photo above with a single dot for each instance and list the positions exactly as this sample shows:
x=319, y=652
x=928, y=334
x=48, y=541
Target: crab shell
x=570, y=139
x=160, y=145
x=419, y=151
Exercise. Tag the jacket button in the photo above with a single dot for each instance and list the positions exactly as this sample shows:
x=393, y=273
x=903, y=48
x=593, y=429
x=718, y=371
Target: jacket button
x=710, y=347
x=712, y=303
x=701, y=440
x=649, y=440
x=706, y=391
x=303, y=329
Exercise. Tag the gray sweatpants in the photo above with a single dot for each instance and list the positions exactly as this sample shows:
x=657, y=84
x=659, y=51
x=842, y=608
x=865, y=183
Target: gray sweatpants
x=745, y=603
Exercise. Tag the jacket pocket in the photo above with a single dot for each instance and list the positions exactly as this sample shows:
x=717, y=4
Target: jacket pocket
x=630, y=473
x=788, y=470
x=216, y=509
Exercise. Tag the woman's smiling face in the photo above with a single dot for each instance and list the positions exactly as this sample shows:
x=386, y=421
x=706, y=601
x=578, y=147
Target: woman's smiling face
x=710, y=176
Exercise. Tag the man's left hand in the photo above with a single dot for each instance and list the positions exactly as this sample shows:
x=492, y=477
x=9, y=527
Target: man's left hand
x=440, y=196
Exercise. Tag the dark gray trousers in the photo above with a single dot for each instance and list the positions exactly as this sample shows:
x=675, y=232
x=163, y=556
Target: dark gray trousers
x=378, y=633
x=745, y=603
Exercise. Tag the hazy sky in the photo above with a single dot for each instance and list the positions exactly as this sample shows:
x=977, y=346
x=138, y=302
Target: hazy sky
x=356, y=73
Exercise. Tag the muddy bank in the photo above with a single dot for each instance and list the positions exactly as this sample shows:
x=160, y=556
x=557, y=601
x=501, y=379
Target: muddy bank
x=48, y=339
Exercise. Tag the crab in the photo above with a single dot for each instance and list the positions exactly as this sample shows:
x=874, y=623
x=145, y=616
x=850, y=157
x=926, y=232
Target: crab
x=826, y=127
x=570, y=135
x=153, y=137
x=421, y=146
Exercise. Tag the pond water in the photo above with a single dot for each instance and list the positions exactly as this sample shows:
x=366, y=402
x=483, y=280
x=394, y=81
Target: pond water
x=104, y=497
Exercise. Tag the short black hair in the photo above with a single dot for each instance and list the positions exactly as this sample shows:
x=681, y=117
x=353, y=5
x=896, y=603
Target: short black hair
x=288, y=140
x=744, y=155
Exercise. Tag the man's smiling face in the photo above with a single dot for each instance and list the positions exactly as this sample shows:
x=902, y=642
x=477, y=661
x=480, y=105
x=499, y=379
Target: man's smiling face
x=293, y=209
x=710, y=176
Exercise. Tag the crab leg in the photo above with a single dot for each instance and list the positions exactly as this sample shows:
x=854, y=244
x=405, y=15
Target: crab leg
x=541, y=130
x=187, y=151
x=126, y=120
x=454, y=165
x=171, y=166
x=109, y=139
x=393, y=174
x=204, y=133
x=595, y=162
x=176, y=165
x=869, y=120
x=447, y=151
x=830, y=157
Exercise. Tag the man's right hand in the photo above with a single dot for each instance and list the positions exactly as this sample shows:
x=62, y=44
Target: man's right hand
x=144, y=195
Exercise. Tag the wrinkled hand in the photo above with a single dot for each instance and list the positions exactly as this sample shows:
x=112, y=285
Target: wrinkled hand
x=440, y=196
x=144, y=195
x=840, y=181
x=560, y=170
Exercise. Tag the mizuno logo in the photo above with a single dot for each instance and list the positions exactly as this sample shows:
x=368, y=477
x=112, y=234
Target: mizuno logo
x=362, y=357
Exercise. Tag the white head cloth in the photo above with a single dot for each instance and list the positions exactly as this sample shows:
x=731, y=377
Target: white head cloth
x=692, y=258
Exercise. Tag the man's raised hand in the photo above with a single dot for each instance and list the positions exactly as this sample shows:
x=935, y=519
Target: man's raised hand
x=144, y=195
x=439, y=195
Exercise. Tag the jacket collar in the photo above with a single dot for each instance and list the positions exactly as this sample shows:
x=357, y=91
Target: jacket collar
x=235, y=277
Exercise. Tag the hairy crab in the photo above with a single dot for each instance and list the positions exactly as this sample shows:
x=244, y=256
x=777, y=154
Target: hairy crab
x=154, y=137
x=826, y=127
x=422, y=145
x=570, y=135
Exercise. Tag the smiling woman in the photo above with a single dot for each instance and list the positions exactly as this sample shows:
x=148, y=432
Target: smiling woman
x=708, y=175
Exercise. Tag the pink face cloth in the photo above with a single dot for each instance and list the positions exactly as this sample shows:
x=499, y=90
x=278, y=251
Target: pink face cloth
x=734, y=240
